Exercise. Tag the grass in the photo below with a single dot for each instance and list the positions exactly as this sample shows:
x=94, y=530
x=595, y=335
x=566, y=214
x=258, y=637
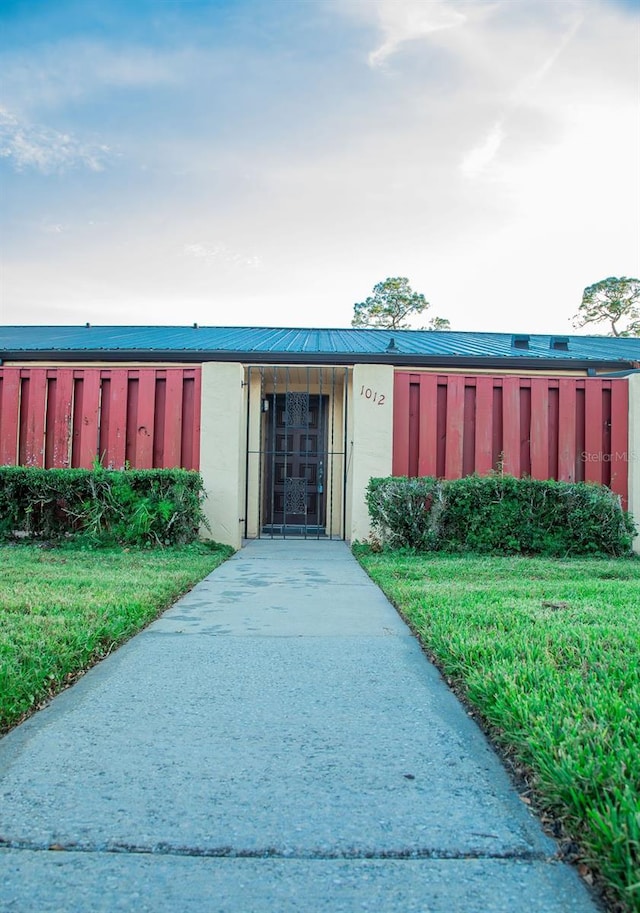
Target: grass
x=63, y=609
x=549, y=652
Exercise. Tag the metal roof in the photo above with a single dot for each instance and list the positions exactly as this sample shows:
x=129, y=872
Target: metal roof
x=196, y=344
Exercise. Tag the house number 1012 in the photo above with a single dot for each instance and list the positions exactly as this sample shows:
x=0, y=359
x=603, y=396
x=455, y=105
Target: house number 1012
x=373, y=395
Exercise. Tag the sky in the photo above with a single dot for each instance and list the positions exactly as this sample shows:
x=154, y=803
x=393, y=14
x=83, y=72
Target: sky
x=267, y=162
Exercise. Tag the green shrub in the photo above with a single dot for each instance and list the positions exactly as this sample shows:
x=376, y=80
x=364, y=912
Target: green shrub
x=101, y=506
x=500, y=514
x=407, y=512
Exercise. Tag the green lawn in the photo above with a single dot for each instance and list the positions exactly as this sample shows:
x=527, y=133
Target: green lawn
x=63, y=609
x=549, y=653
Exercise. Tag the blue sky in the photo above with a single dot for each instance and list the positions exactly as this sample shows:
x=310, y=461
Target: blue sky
x=266, y=162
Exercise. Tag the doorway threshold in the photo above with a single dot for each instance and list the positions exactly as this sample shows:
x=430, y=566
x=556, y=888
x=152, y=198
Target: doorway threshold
x=285, y=531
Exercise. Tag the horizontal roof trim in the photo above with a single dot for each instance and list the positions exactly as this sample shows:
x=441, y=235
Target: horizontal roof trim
x=406, y=361
x=349, y=345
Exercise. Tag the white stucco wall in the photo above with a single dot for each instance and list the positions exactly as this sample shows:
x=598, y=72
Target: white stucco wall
x=634, y=451
x=222, y=447
x=371, y=451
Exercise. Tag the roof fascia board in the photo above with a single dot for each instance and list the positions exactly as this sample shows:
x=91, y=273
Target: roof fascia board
x=397, y=359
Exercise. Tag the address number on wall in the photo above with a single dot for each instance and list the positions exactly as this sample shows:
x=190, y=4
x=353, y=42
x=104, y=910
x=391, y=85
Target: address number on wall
x=373, y=395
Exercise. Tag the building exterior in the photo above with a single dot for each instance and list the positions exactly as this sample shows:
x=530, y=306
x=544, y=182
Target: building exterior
x=287, y=426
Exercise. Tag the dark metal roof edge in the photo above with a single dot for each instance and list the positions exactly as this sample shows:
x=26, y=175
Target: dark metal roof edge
x=626, y=373
x=396, y=359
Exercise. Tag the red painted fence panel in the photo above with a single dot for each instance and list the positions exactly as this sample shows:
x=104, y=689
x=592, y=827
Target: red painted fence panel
x=9, y=415
x=57, y=417
x=619, y=437
x=567, y=428
x=401, y=420
x=454, y=428
x=142, y=431
x=484, y=429
x=510, y=425
x=86, y=419
x=58, y=438
x=428, y=403
x=540, y=428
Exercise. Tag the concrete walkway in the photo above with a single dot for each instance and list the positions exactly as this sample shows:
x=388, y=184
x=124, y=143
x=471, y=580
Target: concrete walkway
x=276, y=742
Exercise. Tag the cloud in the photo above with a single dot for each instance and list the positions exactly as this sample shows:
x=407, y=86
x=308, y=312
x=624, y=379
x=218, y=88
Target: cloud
x=279, y=139
x=220, y=253
x=531, y=81
x=53, y=228
x=478, y=158
x=72, y=70
x=36, y=147
x=409, y=20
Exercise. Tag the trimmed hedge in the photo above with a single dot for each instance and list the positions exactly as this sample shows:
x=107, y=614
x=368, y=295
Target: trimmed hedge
x=101, y=506
x=500, y=514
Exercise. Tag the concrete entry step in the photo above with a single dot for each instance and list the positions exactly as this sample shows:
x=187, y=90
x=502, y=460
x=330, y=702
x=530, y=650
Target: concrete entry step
x=123, y=883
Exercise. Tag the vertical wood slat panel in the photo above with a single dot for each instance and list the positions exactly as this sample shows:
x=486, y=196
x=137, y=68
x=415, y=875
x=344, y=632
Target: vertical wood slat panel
x=427, y=450
x=87, y=427
x=580, y=432
x=195, y=419
x=552, y=424
x=454, y=426
x=539, y=428
x=620, y=439
x=116, y=435
x=62, y=418
x=560, y=443
x=567, y=430
x=56, y=417
x=469, y=427
x=606, y=432
x=103, y=419
x=441, y=425
x=484, y=425
x=159, y=413
x=173, y=419
x=198, y=415
x=188, y=421
x=76, y=423
x=9, y=416
x=400, y=461
x=593, y=455
x=525, y=427
x=414, y=428
x=32, y=418
x=132, y=419
x=25, y=379
x=146, y=418
x=511, y=425
x=49, y=420
x=497, y=446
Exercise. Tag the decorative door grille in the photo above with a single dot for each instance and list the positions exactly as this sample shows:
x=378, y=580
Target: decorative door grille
x=296, y=409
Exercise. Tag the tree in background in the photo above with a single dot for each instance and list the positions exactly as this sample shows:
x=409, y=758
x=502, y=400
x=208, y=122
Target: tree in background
x=392, y=304
x=614, y=301
x=439, y=323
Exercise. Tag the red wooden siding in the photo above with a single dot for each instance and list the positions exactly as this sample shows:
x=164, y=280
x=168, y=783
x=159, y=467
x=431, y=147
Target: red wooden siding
x=57, y=417
x=567, y=428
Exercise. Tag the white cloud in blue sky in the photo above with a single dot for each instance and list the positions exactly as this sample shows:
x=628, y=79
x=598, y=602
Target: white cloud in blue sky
x=252, y=162
x=33, y=146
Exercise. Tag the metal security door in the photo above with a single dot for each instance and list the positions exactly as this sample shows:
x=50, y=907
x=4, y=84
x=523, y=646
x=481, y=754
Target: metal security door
x=296, y=457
